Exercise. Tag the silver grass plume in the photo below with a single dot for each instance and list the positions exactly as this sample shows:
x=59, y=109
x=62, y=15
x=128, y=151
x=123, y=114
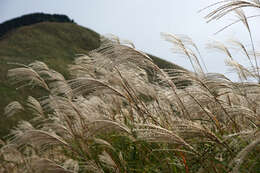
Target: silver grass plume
x=13, y=108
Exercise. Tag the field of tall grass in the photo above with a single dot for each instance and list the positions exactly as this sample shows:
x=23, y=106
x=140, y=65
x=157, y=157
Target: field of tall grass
x=121, y=113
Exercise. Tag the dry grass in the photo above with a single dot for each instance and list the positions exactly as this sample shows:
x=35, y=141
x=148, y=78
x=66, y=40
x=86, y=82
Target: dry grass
x=111, y=118
x=117, y=99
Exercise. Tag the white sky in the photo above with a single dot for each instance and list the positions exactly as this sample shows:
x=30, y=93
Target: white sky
x=142, y=21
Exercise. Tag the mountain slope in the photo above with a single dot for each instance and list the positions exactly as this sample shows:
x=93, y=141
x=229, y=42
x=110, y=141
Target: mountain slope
x=53, y=43
x=49, y=42
x=56, y=44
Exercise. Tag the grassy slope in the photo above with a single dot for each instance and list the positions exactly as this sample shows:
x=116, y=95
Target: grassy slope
x=53, y=43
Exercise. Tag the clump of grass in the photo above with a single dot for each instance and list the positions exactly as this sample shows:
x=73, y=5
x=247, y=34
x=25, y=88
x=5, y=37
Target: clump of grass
x=111, y=118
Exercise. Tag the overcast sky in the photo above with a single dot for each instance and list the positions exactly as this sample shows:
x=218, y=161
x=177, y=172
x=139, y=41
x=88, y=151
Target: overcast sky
x=141, y=21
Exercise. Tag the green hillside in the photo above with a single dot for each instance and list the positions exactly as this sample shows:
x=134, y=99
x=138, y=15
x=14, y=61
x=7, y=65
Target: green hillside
x=56, y=44
x=53, y=43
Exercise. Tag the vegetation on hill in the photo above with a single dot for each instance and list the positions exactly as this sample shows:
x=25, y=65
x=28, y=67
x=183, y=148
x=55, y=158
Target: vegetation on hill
x=56, y=44
x=31, y=19
x=110, y=117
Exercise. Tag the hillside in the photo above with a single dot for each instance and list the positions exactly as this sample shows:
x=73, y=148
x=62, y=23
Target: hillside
x=56, y=44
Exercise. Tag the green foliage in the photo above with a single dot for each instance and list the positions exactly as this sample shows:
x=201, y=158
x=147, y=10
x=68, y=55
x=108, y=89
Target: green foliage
x=30, y=19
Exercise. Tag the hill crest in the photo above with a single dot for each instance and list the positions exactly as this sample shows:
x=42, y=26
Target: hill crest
x=30, y=19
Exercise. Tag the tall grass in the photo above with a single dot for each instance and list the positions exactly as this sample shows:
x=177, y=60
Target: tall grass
x=111, y=118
